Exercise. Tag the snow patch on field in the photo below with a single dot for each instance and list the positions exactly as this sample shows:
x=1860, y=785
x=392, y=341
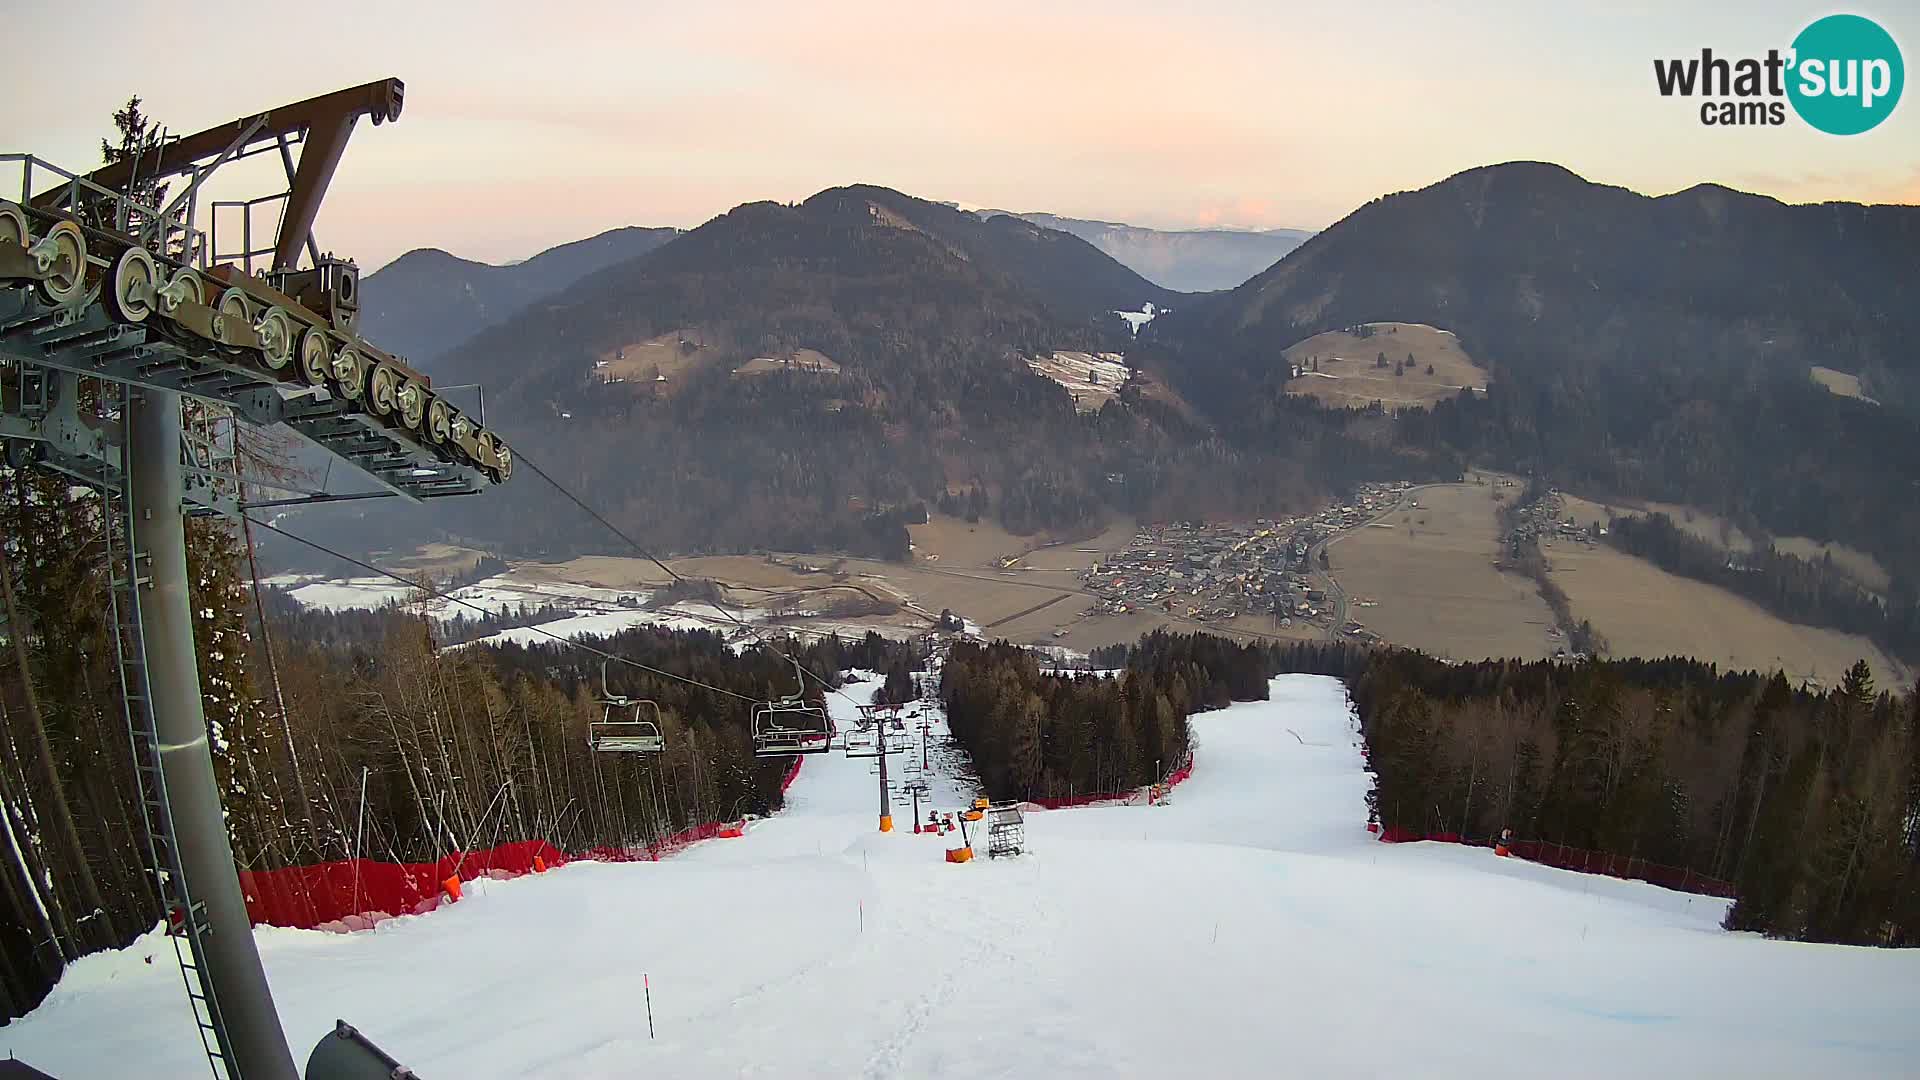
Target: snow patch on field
x=1092, y=378
x=339, y=594
x=1249, y=928
x=1137, y=319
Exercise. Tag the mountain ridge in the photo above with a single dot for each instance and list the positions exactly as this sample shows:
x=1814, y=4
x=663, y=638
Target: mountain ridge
x=424, y=303
x=1184, y=260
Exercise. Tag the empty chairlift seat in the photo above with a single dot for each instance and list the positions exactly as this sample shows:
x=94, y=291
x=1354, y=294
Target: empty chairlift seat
x=626, y=725
x=790, y=726
x=629, y=727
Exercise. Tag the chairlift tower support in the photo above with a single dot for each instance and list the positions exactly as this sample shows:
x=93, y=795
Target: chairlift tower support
x=882, y=748
x=114, y=316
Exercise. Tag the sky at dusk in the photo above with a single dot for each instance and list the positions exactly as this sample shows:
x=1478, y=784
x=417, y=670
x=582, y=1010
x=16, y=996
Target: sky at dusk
x=533, y=123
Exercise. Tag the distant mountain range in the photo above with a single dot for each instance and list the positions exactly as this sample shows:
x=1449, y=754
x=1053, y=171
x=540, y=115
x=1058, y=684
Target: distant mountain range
x=1534, y=266
x=1657, y=347
x=793, y=376
x=427, y=301
x=1184, y=260
x=788, y=376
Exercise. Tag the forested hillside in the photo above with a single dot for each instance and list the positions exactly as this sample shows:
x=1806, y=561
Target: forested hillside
x=1794, y=588
x=801, y=377
x=457, y=749
x=427, y=302
x=1809, y=802
x=1537, y=268
x=1639, y=347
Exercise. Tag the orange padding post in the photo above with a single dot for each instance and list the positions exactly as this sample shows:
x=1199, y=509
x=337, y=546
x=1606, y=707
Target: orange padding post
x=452, y=886
x=1501, y=850
x=886, y=822
x=960, y=854
x=539, y=865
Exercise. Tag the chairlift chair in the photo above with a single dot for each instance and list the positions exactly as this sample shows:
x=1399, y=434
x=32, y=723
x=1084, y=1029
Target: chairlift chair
x=626, y=725
x=791, y=725
x=872, y=739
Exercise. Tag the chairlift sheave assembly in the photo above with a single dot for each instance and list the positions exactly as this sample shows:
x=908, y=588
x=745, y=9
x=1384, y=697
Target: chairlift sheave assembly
x=872, y=738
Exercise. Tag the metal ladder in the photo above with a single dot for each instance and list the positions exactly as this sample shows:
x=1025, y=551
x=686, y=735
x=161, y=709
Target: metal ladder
x=186, y=917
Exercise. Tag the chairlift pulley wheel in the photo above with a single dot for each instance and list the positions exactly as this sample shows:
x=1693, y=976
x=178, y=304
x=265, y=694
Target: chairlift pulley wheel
x=350, y=372
x=439, y=422
x=184, y=287
x=412, y=400
x=276, y=338
x=62, y=255
x=235, y=305
x=383, y=386
x=135, y=286
x=13, y=225
x=314, y=352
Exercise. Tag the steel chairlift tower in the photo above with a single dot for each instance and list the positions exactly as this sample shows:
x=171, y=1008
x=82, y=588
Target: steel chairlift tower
x=882, y=746
x=114, y=315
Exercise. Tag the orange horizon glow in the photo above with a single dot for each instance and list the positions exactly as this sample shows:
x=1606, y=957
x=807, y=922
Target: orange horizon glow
x=528, y=126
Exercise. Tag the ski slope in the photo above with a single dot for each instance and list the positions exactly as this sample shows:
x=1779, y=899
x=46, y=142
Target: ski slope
x=1248, y=929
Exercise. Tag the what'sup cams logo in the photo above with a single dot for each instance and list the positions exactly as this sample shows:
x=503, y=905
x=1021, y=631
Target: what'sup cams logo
x=1843, y=75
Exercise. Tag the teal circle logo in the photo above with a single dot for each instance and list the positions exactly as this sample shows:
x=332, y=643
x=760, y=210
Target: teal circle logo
x=1846, y=75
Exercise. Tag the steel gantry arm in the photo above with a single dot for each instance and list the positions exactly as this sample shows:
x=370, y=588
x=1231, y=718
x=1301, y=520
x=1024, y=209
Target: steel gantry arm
x=323, y=123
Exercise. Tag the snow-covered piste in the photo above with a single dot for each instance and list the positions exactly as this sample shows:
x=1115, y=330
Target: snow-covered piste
x=1249, y=928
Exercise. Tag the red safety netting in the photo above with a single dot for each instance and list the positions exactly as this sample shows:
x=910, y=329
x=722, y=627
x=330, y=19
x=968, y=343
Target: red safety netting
x=1583, y=860
x=353, y=894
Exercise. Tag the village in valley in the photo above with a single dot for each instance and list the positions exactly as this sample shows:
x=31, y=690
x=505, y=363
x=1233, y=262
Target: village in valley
x=1216, y=572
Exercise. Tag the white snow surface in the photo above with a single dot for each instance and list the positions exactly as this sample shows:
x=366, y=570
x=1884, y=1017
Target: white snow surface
x=1250, y=928
x=1137, y=319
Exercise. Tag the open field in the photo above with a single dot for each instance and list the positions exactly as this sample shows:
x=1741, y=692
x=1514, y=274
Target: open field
x=1092, y=378
x=1861, y=567
x=1840, y=382
x=1346, y=373
x=1644, y=611
x=1429, y=577
x=439, y=560
x=956, y=542
x=668, y=356
x=1702, y=524
x=807, y=360
x=1029, y=602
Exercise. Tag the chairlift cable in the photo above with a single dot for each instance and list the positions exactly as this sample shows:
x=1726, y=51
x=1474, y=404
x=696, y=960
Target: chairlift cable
x=523, y=459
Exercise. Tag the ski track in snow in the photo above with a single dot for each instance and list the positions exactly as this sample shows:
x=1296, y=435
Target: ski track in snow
x=1251, y=928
